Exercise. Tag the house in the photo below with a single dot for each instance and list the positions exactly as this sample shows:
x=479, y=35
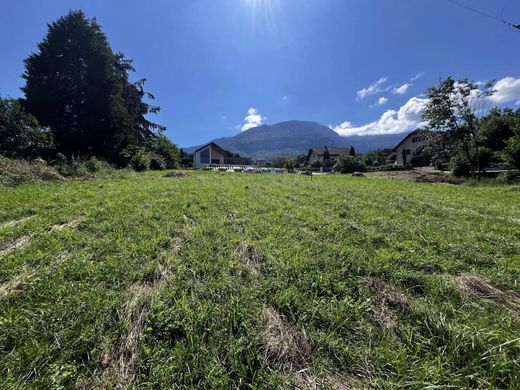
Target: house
x=408, y=148
x=334, y=154
x=212, y=154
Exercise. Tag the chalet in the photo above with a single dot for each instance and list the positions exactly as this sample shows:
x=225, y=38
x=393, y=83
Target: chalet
x=408, y=148
x=335, y=154
x=212, y=154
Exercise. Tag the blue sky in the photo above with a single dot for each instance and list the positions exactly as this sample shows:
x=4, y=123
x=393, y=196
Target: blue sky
x=360, y=66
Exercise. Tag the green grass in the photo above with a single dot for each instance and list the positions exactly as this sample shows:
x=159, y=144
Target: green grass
x=243, y=281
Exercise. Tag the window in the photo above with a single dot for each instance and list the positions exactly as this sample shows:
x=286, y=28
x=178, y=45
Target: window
x=417, y=139
x=204, y=156
x=407, y=151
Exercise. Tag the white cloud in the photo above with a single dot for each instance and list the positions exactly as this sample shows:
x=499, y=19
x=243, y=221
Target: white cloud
x=402, y=89
x=253, y=119
x=373, y=88
x=417, y=76
x=285, y=99
x=382, y=100
x=407, y=118
x=506, y=90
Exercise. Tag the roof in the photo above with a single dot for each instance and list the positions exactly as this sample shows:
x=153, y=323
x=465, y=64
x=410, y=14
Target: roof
x=214, y=145
x=331, y=150
x=407, y=136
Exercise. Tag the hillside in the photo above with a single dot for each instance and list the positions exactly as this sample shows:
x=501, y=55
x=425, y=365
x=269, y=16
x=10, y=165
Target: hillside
x=228, y=281
x=294, y=137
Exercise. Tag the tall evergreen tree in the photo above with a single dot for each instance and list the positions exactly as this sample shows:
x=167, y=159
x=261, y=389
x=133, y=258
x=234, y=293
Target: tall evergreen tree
x=78, y=87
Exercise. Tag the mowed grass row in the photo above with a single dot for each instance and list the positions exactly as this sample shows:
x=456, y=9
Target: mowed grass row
x=259, y=281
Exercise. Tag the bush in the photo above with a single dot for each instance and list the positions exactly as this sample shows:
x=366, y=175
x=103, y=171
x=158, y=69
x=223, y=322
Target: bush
x=136, y=157
x=93, y=165
x=349, y=164
x=460, y=166
x=508, y=178
x=317, y=164
x=140, y=160
x=71, y=167
x=157, y=163
x=162, y=147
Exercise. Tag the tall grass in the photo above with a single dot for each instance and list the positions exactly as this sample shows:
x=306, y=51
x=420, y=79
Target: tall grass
x=259, y=281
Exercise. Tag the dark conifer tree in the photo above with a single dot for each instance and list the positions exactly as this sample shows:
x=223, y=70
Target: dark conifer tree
x=78, y=87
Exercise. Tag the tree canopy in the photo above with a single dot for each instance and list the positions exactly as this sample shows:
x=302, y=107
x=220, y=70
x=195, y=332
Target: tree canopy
x=78, y=87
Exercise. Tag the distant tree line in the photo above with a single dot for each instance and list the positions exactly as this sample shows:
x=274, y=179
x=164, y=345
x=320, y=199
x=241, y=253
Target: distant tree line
x=81, y=103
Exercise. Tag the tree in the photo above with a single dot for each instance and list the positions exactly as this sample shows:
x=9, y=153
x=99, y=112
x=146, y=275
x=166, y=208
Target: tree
x=79, y=88
x=512, y=149
x=352, y=152
x=326, y=154
x=456, y=107
x=496, y=128
x=349, y=164
x=20, y=133
x=166, y=149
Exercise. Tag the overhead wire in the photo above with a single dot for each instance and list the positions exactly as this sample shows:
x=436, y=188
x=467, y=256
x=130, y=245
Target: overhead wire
x=511, y=25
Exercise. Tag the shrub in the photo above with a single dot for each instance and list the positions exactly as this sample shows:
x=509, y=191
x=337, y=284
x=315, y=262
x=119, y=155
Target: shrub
x=157, y=163
x=508, y=178
x=136, y=157
x=162, y=147
x=140, y=160
x=71, y=167
x=460, y=166
x=93, y=165
x=349, y=164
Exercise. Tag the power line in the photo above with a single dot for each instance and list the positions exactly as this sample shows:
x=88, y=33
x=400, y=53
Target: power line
x=485, y=14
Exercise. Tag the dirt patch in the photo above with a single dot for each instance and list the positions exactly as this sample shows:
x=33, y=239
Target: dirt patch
x=119, y=362
x=421, y=176
x=289, y=348
x=15, y=222
x=12, y=285
x=283, y=344
x=249, y=256
x=178, y=174
x=387, y=301
x=176, y=245
x=20, y=243
x=69, y=225
x=482, y=287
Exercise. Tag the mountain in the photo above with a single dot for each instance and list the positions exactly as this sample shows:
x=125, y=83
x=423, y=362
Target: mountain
x=294, y=137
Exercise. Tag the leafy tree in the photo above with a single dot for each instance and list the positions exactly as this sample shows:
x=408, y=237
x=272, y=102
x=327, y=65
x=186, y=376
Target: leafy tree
x=166, y=149
x=79, y=88
x=352, y=152
x=512, y=149
x=300, y=160
x=20, y=132
x=456, y=107
x=349, y=164
x=496, y=128
x=289, y=164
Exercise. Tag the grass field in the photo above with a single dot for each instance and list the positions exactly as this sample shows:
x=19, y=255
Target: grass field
x=259, y=281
